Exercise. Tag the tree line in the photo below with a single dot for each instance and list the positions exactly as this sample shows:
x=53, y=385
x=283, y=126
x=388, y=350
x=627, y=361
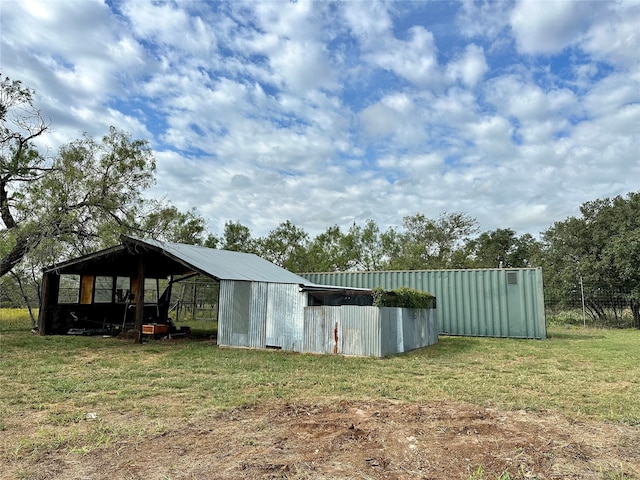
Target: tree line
x=91, y=191
x=448, y=241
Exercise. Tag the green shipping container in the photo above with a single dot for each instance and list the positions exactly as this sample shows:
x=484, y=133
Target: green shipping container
x=498, y=302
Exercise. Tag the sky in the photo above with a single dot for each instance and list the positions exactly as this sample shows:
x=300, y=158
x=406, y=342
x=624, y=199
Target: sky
x=333, y=113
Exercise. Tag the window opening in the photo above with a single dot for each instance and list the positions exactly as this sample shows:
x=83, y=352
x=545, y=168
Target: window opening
x=123, y=288
x=102, y=292
x=69, y=291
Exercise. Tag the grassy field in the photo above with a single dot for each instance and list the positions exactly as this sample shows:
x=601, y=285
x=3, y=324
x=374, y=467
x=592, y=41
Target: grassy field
x=581, y=372
x=59, y=380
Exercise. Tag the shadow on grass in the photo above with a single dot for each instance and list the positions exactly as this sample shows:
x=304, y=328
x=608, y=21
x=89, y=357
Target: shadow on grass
x=575, y=335
x=447, y=346
x=7, y=327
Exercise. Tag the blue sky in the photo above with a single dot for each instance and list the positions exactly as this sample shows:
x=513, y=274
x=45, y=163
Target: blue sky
x=326, y=113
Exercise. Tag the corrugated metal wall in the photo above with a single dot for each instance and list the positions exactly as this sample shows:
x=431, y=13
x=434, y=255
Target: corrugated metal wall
x=272, y=315
x=260, y=315
x=367, y=331
x=486, y=302
x=406, y=329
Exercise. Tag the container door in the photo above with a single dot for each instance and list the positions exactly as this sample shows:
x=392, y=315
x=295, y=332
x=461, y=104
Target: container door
x=515, y=305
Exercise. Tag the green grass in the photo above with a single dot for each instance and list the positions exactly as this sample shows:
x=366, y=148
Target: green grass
x=56, y=381
x=580, y=372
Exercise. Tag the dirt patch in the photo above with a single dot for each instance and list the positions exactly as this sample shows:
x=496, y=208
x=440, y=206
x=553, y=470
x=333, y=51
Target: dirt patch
x=358, y=440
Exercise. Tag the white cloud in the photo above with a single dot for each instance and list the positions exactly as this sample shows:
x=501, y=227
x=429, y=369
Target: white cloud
x=470, y=67
x=414, y=60
x=369, y=22
x=388, y=116
x=292, y=39
x=540, y=114
x=614, y=37
x=549, y=27
x=170, y=26
x=482, y=19
x=410, y=168
x=608, y=31
x=611, y=93
x=324, y=113
x=493, y=135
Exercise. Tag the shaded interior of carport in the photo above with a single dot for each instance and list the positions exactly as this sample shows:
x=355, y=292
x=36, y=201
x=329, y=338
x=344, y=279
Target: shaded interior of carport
x=133, y=261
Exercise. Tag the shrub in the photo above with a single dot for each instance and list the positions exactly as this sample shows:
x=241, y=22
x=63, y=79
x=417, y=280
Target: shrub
x=403, y=297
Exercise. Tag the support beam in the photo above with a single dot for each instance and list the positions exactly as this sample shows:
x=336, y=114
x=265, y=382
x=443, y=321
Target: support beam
x=140, y=298
x=49, y=298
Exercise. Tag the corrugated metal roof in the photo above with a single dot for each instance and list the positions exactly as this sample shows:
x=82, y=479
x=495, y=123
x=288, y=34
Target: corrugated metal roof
x=224, y=264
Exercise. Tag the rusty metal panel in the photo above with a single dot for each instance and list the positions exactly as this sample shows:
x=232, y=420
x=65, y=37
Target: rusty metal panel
x=345, y=330
x=367, y=331
x=322, y=330
x=475, y=302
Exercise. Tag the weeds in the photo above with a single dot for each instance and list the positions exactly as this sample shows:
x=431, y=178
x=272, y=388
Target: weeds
x=135, y=390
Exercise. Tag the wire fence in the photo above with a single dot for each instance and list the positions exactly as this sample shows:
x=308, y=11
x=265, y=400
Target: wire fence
x=594, y=307
x=195, y=299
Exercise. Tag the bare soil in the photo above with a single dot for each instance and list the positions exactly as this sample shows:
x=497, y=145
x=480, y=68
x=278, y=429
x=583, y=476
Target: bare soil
x=356, y=440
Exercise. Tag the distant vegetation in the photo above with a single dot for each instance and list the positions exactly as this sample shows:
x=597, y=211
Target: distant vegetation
x=90, y=193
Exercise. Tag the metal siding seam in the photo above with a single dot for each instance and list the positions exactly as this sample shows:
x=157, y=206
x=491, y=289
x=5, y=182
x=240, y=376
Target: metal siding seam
x=503, y=302
x=456, y=300
x=224, y=317
x=493, y=305
x=316, y=330
x=482, y=304
x=541, y=317
x=257, y=314
x=499, y=301
x=527, y=305
x=388, y=334
x=467, y=304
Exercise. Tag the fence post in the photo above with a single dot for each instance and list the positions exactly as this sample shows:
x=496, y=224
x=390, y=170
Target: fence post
x=584, y=318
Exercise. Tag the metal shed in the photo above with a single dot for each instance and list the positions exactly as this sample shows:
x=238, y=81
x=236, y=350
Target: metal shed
x=260, y=305
x=501, y=302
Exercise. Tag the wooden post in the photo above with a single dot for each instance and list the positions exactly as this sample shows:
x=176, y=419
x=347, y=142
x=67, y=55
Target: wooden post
x=49, y=295
x=140, y=300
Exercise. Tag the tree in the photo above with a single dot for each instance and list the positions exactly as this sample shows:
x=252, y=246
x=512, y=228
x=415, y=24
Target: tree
x=285, y=246
x=428, y=243
x=328, y=252
x=236, y=237
x=599, y=251
x=170, y=224
x=91, y=195
x=500, y=248
x=369, y=248
x=20, y=165
x=82, y=200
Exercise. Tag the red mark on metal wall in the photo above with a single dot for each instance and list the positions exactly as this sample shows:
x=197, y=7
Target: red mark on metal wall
x=335, y=338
